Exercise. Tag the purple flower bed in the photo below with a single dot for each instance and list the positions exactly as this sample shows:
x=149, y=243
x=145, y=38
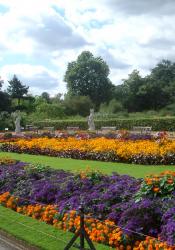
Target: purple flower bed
x=104, y=197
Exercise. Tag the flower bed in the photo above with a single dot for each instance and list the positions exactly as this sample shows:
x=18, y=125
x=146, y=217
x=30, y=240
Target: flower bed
x=121, y=209
x=63, y=134
x=139, y=151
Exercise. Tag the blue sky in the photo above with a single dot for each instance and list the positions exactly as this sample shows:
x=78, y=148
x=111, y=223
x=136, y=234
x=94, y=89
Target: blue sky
x=39, y=38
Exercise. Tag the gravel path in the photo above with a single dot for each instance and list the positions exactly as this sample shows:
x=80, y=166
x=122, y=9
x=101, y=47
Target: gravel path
x=6, y=245
x=10, y=243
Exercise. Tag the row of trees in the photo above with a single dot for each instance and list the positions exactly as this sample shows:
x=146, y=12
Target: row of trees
x=153, y=92
x=88, y=85
x=89, y=76
x=16, y=97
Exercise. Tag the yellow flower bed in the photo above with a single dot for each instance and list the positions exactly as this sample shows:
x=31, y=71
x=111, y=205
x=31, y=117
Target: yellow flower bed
x=124, y=149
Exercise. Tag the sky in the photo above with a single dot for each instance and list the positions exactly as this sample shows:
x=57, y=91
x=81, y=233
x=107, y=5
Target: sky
x=39, y=37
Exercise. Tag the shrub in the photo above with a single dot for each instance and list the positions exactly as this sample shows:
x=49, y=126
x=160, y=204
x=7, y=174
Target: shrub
x=5, y=121
x=157, y=124
x=50, y=110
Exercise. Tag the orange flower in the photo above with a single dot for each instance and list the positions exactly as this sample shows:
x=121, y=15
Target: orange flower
x=170, y=181
x=156, y=189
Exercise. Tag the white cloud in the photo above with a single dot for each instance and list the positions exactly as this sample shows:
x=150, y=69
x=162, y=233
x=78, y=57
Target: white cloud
x=38, y=78
x=127, y=34
x=29, y=26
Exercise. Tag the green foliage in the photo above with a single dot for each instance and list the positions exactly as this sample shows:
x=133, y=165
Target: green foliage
x=46, y=96
x=88, y=76
x=37, y=168
x=168, y=110
x=5, y=102
x=61, y=124
x=5, y=121
x=157, y=124
x=46, y=110
x=154, y=91
x=1, y=82
x=28, y=104
x=16, y=89
x=157, y=186
x=77, y=105
x=128, y=92
x=113, y=107
x=89, y=86
x=8, y=135
x=57, y=98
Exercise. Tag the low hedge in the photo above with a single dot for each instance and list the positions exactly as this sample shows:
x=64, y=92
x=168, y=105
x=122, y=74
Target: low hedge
x=157, y=124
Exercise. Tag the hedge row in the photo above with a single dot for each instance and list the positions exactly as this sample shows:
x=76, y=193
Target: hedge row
x=157, y=124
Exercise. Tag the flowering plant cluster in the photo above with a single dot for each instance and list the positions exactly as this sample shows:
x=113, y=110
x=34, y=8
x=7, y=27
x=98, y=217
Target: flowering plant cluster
x=7, y=161
x=139, y=151
x=105, y=232
x=115, y=216
x=162, y=185
x=81, y=134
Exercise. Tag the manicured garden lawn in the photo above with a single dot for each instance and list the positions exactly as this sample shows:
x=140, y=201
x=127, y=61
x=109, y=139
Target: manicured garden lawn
x=78, y=165
x=34, y=232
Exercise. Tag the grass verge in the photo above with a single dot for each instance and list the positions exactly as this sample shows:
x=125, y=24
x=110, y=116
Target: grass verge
x=135, y=170
x=35, y=233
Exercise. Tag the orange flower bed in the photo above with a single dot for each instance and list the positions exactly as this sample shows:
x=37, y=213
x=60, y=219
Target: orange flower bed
x=139, y=151
x=124, y=149
x=105, y=232
x=153, y=244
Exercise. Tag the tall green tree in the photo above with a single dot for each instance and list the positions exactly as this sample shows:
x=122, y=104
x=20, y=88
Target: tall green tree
x=161, y=83
x=5, y=102
x=128, y=92
x=88, y=76
x=46, y=96
x=152, y=92
x=1, y=82
x=16, y=89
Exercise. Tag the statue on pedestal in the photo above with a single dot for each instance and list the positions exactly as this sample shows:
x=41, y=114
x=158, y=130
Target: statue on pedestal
x=17, y=118
x=91, y=123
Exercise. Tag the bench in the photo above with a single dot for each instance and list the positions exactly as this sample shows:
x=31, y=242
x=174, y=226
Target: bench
x=142, y=130
x=49, y=129
x=171, y=135
x=32, y=128
x=73, y=128
x=108, y=128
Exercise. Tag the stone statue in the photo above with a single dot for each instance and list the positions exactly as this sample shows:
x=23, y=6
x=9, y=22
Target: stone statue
x=91, y=120
x=17, y=118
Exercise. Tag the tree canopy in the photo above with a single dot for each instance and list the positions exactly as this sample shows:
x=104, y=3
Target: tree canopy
x=88, y=76
x=89, y=86
x=16, y=89
x=151, y=92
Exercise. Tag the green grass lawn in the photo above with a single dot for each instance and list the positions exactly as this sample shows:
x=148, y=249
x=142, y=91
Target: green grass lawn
x=34, y=232
x=78, y=165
